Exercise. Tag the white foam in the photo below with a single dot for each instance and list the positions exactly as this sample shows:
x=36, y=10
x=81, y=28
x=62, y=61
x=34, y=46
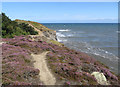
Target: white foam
x=60, y=35
x=61, y=40
x=64, y=30
x=70, y=35
x=100, y=52
x=118, y=31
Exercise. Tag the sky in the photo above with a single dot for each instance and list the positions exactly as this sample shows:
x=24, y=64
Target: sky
x=60, y=0
x=62, y=12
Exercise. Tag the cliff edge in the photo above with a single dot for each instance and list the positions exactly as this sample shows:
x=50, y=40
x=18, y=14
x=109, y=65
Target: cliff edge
x=42, y=30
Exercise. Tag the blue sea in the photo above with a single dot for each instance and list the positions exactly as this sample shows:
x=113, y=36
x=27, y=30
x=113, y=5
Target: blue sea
x=99, y=40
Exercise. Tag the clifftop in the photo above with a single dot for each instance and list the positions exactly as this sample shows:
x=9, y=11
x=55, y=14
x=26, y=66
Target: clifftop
x=35, y=24
x=44, y=33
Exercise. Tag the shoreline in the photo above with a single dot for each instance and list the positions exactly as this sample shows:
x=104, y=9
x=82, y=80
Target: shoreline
x=113, y=66
x=107, y=57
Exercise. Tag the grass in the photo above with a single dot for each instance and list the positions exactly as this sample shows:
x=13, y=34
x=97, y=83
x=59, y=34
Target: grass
x=56, y=43
x=35, y=24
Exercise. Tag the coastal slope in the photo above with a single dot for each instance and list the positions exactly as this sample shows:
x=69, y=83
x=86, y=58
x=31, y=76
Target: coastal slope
x=41, y=60
x=42, y=30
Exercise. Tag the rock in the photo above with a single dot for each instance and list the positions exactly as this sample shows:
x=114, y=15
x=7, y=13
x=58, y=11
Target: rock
x=101, y=79
x=50, y=35
x=2, y=43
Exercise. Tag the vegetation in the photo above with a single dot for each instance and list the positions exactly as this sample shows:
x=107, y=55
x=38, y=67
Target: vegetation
x=35, y=24
x=12, y=28
x=70, y=67
x=0, y=25
x=17, y=66
x=56, y=43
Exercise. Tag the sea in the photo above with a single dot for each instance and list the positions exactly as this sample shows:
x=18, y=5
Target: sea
x=99, y=40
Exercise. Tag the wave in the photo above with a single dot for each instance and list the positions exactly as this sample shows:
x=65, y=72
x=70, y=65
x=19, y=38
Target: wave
x=79, y=32
x=84, y=46
x=64, y=35
x=61, y=40
x=118, y=31
x=60, y=35
x=101, y=52
x=106, y=57
x=87, y=48
x=69, y=35
x=64, y=30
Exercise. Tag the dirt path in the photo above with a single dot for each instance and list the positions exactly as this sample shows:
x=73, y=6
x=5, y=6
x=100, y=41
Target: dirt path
x=39, y=32
x=45, y=74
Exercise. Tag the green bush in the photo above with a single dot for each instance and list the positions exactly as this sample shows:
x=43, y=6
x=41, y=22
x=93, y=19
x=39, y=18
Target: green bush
x=11, y=28
x=27, y=28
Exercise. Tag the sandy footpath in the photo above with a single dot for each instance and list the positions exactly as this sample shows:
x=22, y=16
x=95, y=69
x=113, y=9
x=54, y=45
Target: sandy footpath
x=45, y=74
x=39, y=32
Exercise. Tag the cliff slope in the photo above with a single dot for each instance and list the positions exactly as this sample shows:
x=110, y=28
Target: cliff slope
x=66, y=65
x=42, y=30
x=26, y=59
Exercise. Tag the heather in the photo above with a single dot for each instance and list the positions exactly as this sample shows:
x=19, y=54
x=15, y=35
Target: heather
x=17, y=66
x=69, y=66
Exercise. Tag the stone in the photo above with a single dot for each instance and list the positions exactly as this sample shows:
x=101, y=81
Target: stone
x=101, y=79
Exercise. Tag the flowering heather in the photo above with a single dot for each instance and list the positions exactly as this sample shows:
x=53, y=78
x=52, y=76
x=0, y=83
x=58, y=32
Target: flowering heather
x=17, y=66
x=72, y=66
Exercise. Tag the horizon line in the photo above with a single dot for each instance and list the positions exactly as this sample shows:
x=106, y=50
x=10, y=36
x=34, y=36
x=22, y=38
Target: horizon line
x=76, y=23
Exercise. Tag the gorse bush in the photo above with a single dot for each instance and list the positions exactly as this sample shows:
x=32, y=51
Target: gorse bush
x=11, y=28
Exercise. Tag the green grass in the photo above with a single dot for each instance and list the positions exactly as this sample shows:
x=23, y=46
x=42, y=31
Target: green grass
x=35, y=24
x=56, y=43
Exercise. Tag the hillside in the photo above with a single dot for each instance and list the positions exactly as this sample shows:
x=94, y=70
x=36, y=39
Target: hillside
x=41, y=29
x=11, y=28
x=44, y=33
x=41, y=60
x=67, y=65
x=35, y=24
